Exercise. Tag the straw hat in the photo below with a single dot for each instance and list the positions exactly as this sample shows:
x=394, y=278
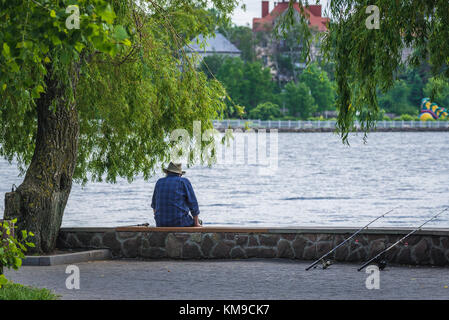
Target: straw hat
x=174, y=168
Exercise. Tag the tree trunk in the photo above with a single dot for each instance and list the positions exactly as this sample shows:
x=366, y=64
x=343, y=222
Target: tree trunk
x=39, y=202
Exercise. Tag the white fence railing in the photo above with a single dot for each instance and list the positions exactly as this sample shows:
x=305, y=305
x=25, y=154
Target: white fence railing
x=317, y=124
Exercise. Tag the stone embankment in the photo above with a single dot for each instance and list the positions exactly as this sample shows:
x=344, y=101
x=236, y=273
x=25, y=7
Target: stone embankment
x=426, y=247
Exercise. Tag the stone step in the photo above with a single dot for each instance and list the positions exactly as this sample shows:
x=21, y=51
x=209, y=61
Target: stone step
x=67, y=258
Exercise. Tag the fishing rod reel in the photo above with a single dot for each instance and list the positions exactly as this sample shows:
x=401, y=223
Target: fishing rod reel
x=325, y=264
x=381, y=263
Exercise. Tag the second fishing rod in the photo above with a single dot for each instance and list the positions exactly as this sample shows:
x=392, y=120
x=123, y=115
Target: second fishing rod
x=328, y=263
x=382, y=253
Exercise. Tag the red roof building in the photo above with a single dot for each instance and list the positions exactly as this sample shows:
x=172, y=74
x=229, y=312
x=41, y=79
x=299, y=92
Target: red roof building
x=312, y=12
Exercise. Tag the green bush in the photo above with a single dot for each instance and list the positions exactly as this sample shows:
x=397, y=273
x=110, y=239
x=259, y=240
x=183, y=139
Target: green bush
x=286, y=118
x=265, y=111
x=15, y=291
x=299, y=100
x=12, y=249
x=407, y=117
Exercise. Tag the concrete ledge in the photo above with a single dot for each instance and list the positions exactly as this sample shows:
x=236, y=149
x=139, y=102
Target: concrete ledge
x=67, y=258
x=426, y=247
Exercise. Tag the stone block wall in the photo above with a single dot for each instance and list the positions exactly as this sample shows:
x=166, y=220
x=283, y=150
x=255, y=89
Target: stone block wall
x=429, y=247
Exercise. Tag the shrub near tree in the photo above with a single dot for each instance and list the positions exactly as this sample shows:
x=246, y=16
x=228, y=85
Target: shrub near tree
x=396, y=100
x=439, y=90
x=265, y=111
x=321, y=88
x=298, y=100
x=247, y=83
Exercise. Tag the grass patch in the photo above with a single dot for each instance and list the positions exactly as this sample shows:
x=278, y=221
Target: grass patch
x=15, y=291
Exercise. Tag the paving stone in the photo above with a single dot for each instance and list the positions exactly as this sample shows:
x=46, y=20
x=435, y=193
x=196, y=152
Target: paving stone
x=110, y=241
x=237, y=253
x=285, y=249
x=191, y=251
x=246, y=279
x=269, y=240
x=298, y=247
x=157, y=239
x=437, y=257
x=122, y=235
x=221, y=250
x=206, y=245
x=131, y=247
x=173, y=246
x=153, y=253
x=253, y=241
x=241, y=240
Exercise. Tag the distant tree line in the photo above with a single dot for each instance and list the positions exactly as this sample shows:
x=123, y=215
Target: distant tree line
x=311, y=90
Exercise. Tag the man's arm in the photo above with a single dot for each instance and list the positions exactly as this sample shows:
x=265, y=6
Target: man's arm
x=192, y=202
x=196, y=222
x=153, y=200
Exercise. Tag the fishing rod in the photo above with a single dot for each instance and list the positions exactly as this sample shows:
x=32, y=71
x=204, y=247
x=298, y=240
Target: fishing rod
x=400, y=240
x=328, y=263
x=136, y=225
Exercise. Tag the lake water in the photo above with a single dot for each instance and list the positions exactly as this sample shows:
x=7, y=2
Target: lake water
x=319, y=182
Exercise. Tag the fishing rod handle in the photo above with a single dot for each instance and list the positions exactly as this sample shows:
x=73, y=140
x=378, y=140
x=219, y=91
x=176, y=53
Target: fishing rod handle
x=402, y=239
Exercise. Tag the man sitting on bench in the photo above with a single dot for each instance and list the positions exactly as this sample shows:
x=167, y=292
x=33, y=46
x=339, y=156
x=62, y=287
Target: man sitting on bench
x=173, y=198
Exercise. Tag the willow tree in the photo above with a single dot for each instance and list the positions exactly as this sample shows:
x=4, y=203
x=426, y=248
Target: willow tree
x=94, y=96
x=366, y=40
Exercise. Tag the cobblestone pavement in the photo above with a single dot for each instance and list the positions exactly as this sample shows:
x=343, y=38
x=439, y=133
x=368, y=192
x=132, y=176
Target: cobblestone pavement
x=234, y=279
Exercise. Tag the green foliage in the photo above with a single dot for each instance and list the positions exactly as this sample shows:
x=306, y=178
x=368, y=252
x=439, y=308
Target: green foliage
x=15, y=291
x=248, y=83
x=299, y=100
x=136, y=85
x=35, y=39
x=396, y=100
x=294, y=30
x=265, y=111
x=242, y=37
x=211, y=64
x=289, y=48
x=368, y=59
x=416, y=83
x=13, y=247
x=320, y=86
x=438, y=90
x=407, y=117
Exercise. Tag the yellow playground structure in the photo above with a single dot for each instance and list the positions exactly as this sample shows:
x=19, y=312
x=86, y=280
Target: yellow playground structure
x=431, y=111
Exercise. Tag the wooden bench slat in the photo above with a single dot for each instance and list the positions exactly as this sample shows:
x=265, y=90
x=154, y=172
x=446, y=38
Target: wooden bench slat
x=192, y=229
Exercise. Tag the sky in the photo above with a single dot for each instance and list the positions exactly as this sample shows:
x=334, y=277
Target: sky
x=254, y=10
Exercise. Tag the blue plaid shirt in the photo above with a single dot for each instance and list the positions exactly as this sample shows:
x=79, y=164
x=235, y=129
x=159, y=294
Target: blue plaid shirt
x=173, y=198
